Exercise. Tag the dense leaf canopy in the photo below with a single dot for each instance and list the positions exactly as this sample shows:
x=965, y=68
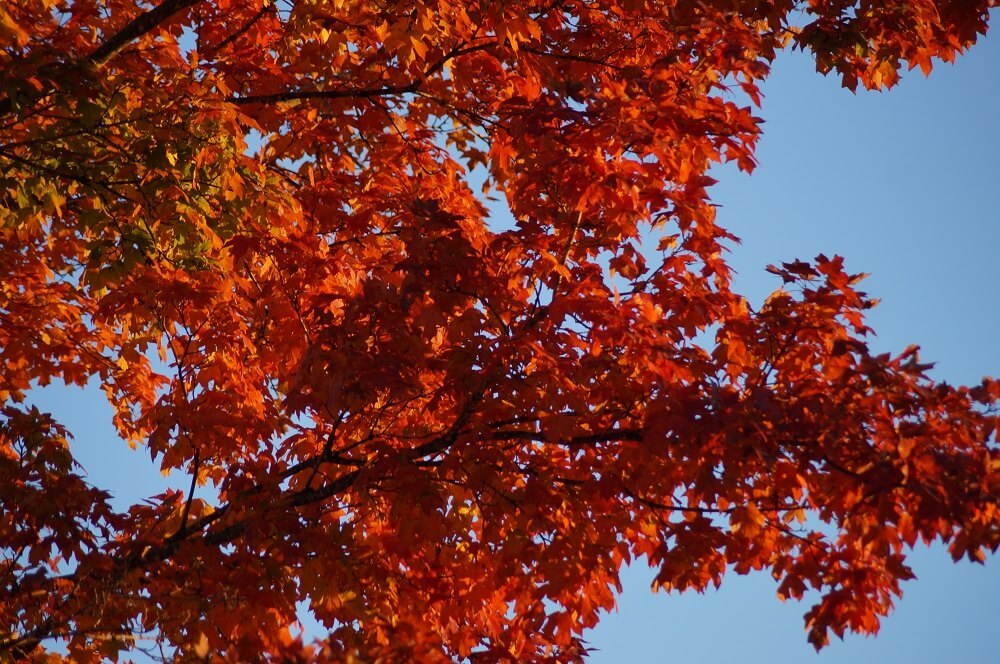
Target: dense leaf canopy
x=265, y=229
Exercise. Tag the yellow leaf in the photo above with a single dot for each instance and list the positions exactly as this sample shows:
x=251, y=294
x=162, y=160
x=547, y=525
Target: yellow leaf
x=201, y=648
x=8, y=26
x=418, y=47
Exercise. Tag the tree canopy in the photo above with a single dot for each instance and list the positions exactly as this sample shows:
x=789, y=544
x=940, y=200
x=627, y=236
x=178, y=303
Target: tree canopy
x=267, y=229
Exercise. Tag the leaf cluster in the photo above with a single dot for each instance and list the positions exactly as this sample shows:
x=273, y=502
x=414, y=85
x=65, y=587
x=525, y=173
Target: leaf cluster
x=267, y=230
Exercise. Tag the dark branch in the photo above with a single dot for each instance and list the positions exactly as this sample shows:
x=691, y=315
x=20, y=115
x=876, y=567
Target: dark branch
x=268, y=7
x=607, y=436
x=304, y=95
x=361, y=93
x=136, y=28
x=139, y=26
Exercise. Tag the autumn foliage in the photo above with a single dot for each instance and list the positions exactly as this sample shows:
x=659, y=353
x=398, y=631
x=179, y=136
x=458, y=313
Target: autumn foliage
x=270, y=232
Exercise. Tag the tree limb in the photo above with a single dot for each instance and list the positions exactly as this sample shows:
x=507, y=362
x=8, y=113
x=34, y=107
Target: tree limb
x=137, y=27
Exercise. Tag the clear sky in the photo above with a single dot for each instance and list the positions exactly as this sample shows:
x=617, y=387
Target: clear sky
x=904, y=184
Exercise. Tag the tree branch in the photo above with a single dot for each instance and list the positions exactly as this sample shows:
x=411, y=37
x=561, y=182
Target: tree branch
x=361, y=93
x=607, y=436
x=137, y=27
x=305, y=95
x=268, y=6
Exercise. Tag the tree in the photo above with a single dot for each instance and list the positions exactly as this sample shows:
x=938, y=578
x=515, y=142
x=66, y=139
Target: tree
x=255, y=224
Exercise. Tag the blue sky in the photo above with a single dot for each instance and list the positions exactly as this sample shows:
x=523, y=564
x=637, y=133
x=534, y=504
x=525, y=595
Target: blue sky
x=904, y=185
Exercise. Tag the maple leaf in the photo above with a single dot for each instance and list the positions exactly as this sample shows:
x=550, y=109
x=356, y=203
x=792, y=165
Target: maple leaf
x=256, y=227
